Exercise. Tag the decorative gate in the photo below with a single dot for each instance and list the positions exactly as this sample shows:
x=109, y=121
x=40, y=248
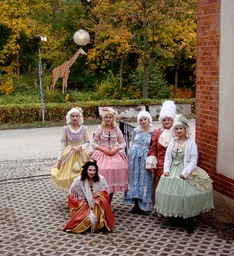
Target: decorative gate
x=127, y=131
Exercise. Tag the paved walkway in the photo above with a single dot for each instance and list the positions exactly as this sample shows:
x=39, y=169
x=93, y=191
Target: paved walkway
x=33, y=211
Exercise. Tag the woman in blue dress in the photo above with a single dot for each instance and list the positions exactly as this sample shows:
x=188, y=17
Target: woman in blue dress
x=140, y=179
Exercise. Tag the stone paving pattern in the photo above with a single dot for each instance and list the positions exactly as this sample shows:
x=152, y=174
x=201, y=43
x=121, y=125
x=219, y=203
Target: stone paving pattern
x=33, y=213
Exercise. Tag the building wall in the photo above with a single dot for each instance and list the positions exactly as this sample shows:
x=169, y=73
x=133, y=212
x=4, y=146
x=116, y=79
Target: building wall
x=210, y=99
x=225, y=159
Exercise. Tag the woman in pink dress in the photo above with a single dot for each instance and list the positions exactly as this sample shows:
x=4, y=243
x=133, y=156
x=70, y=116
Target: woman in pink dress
x=108, y=144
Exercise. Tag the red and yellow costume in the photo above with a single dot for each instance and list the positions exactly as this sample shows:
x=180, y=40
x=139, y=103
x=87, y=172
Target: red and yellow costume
x=89, y=209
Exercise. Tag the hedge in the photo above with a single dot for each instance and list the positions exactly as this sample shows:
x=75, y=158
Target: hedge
x=54, y=112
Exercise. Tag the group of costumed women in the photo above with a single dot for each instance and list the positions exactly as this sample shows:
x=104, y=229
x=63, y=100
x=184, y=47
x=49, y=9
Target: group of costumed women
x=91, y=177
x=159, y=174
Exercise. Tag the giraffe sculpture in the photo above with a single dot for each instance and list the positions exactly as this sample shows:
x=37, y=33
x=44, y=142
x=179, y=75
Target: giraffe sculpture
x=64, y=70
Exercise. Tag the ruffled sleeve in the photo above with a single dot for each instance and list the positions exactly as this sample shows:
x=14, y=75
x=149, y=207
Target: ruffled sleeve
x=86, y=140
x=151, y=162
x=120, y=139
x=96, y=141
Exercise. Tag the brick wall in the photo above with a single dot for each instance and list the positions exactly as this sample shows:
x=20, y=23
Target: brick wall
x=207, y=92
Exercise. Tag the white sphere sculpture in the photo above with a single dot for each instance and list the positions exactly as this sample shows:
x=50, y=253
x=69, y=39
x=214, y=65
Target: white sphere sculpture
x=81, y=37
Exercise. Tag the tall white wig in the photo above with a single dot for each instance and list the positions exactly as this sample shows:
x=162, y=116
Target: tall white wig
x=75, y=110
x=168, y=110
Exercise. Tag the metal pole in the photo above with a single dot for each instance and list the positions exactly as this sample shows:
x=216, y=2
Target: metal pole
x=41, y=87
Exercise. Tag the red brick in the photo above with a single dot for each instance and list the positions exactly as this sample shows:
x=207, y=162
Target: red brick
x=208, y=36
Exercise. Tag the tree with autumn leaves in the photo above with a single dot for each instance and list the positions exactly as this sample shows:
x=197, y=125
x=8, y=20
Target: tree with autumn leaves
x=127, y=36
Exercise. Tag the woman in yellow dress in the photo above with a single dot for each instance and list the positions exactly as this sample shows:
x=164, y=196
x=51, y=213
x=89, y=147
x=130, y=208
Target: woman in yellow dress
x=73, y=151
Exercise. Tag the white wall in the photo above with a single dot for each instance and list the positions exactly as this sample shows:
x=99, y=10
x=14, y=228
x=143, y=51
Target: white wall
x=225, y=154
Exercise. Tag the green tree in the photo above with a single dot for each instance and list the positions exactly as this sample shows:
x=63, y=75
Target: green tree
x=158, y=86
x=14, y=22
x=174, y=35
x=125, y=36
x=161, y=29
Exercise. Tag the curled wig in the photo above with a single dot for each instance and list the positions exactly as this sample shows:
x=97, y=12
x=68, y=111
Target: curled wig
x=75, y=110
x=146, y=114
x=108, y=111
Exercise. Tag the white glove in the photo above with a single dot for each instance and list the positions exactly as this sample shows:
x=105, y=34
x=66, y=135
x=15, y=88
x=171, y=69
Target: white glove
x=151, y=162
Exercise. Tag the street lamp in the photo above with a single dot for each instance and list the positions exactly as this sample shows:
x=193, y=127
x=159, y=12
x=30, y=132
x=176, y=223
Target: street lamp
x=81, y=37
x=41, y=39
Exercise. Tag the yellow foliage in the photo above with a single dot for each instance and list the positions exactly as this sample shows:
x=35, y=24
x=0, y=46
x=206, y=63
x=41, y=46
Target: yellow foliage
x=67, y=97
x=6, y=86
x=14, y=18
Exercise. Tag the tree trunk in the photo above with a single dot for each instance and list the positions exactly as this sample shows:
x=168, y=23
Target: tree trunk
x=145, y=52
x=121, y=75
x=176, y=76
x=17, y=64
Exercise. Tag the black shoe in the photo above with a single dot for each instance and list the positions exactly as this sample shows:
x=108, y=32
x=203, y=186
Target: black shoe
x=176, y=221
x=189, y=230
x=103, y=229
x=138, y=211
x=135, y=210
x=190, y=226
x=144, y=212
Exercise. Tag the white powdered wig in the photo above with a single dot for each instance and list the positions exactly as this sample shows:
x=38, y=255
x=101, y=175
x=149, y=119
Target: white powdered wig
x=75, y=110
x=144, y=113
x=168, y=110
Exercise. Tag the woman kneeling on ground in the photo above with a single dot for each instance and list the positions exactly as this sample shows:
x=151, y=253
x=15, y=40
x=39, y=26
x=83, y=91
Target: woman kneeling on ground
x=88, y=201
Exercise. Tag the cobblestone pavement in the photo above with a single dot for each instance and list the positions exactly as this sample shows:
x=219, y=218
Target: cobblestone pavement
x=33, y=213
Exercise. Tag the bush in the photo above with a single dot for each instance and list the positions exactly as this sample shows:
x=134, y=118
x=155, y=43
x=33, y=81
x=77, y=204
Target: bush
x=6, y=85
x=54, y=97
x=76, y=96
x=181, y=93
x=55, y=112
x=108, y=88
